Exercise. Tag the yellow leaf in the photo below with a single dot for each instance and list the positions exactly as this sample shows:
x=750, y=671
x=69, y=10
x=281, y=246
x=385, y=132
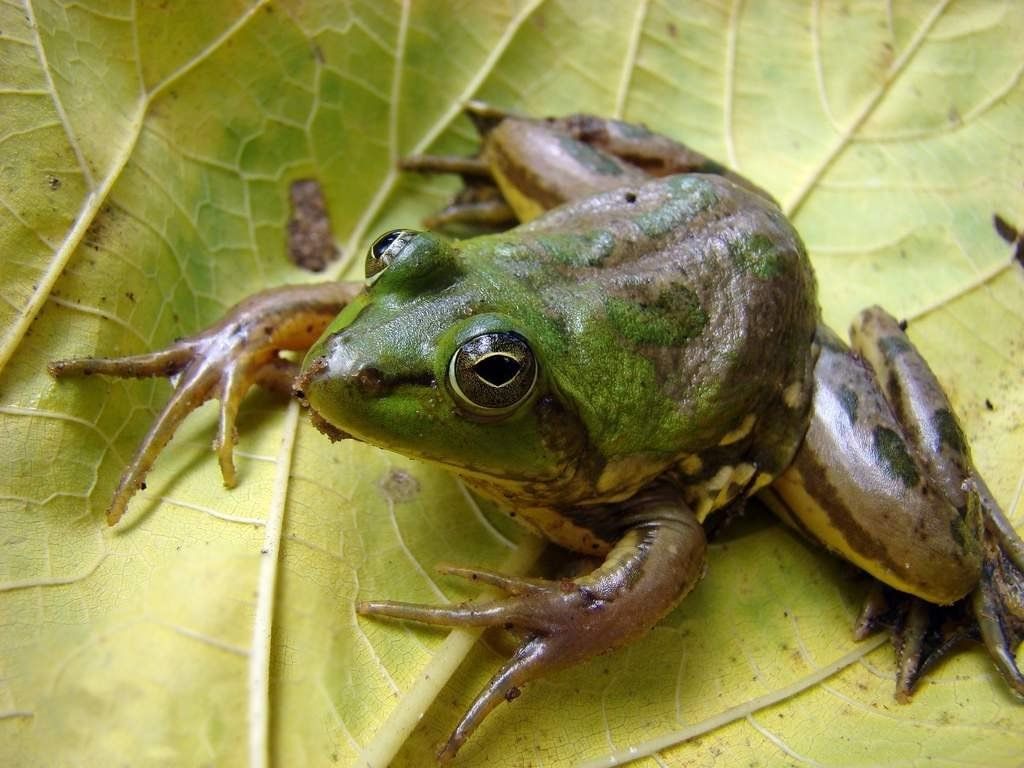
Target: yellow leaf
x=146, y=154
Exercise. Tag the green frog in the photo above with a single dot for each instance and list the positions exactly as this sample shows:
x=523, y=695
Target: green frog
x=637, y=346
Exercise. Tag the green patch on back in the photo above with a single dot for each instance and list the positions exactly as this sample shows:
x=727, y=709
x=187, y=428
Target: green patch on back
x=674, y=316
x=688, y=195
x=590, y=158
x=891, y=452
x=757, y=255
x=586, y=249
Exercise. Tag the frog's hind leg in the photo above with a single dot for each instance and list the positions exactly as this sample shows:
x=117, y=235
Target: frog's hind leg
x=884, y=478
x=529, y=165
x=654, y=154
x=478, y=204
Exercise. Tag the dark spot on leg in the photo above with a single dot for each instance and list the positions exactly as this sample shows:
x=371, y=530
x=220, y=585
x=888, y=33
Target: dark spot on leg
x=894, y=346
x=891, y=452
x=848, y=400
x=949, y=430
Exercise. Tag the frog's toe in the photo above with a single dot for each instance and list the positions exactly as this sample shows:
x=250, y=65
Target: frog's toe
x=513, y=585
x=530, y=661
x=925, y=635
x=534, y=605
x=172, y=361
x=192, y=390
x=165, y=362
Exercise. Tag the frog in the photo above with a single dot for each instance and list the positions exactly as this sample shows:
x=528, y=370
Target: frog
x=629, y=347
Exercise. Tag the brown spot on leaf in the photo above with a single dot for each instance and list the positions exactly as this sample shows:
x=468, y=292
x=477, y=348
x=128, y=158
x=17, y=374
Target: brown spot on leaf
x=399, y=486
x=310, y=239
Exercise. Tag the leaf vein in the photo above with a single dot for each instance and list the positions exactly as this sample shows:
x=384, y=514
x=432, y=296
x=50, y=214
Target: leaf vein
x=845, y=136
x=629, y=61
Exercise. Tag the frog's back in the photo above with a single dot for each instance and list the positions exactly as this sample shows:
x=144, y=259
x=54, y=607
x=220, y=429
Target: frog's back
x=679, y=317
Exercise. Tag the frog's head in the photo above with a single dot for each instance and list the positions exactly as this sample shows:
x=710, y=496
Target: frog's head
x=430, y=362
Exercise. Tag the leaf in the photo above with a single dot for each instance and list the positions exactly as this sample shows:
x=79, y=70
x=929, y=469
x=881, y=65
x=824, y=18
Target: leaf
x=146, y=152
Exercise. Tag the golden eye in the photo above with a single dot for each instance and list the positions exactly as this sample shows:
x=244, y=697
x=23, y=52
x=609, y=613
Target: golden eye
x=384, y=250
x=493, y=373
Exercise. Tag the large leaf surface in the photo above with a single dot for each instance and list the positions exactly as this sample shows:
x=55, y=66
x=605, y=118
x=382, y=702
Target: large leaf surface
x=145, y=156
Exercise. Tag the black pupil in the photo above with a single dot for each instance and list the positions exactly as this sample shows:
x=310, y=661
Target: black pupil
x=497, y=370
x=383, y=242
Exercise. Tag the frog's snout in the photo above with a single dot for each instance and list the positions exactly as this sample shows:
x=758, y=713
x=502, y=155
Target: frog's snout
x=315, y=375
x=308, y=374
x=337, y=366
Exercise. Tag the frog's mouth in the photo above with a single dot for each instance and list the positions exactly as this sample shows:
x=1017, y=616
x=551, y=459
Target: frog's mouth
x=333, y=433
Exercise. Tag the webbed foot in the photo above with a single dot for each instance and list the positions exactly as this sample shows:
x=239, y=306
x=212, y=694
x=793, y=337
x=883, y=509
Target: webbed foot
x=998, y=600
x=922, y=633
x=222, y=362
x=566, y=621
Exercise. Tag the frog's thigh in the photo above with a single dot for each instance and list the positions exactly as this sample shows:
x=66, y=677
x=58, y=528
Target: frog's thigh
x=860, y=485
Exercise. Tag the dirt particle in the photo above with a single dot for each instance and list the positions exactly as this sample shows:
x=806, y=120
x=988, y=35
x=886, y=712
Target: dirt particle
x=1010, y=234
x=1005, y=229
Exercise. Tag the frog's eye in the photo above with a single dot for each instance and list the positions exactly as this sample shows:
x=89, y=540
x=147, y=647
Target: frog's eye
x=384, y=250
x=493, y=373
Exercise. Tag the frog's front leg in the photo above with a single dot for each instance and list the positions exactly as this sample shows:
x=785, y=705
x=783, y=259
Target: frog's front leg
x=657, y=561
x=222, y=362
x=885, y=479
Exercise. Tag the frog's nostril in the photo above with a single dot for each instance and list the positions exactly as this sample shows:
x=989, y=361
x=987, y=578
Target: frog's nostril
x=371, y=381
